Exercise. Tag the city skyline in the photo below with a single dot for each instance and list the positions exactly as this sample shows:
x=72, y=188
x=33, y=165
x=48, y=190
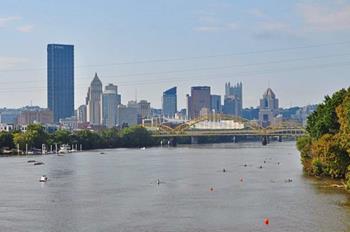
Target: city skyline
x=207, y=44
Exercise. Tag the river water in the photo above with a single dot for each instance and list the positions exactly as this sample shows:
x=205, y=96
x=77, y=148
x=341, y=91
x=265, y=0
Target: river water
x=118, y=191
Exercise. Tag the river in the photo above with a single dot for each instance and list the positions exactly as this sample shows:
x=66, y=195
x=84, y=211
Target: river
x=118, y=191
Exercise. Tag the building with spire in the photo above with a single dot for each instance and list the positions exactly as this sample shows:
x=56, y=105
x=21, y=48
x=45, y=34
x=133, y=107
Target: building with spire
x=94, y=102
x=233, y=100
x=268, y=109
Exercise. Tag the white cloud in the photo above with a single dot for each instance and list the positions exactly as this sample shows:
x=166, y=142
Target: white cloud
x=5, y=20
x=257, y=13
x=334, y=17
x=217, y=27
x=11, y=62
x=274, y=29
x=25, y=28
x=273, y=26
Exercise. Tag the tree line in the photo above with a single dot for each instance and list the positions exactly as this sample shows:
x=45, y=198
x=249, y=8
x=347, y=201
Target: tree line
x=325, y=149
x=36, y=135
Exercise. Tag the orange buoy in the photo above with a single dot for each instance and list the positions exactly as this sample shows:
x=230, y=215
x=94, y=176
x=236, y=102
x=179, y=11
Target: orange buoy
x=211, y=189
x=266, y=221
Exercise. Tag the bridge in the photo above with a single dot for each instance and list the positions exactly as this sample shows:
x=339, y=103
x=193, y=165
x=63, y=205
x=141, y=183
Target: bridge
x=224, y=125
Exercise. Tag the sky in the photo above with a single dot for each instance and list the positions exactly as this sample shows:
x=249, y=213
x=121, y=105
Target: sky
x=301, y=49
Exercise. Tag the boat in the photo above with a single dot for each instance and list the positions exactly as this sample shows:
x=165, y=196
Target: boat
x=43, y=178
x=38, y=163
x=143, y=148
x=31, y=161
x=64, y=149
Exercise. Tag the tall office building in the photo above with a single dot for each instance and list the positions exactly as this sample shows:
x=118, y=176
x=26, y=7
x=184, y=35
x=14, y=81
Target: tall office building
x=144, y=109
x=126, y=116
x=82, y=114
x=94, y=103
x=198, y=101
x=60, y=80
x=268, y=108
x=216, y=103
x=234, y=93
x=231, y=106
x=110, y=101
x=169, y=102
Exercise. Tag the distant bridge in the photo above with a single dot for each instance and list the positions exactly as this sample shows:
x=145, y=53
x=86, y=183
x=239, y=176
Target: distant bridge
x=224, y=125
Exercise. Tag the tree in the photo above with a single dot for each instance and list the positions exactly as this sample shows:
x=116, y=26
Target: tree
x=136, y=136
x=110, y=138
x=6, y=140
x=61, y=137
x=324, y=120
x=34, y=137
x=88, y=139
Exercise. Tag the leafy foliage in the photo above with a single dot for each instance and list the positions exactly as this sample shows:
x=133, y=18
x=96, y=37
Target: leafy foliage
x=325, y=151
x=35, y=136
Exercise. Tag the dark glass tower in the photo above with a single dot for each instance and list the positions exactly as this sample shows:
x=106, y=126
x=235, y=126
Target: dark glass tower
x=169, y=102
x=60, y=80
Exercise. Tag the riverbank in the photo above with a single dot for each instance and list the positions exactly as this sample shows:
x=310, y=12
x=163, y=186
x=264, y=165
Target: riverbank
x=35, y=138
x=325, y=149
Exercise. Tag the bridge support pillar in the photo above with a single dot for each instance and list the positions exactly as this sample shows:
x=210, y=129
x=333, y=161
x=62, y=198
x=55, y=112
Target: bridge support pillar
x=280, y=138
x=264, y=140
x=234, y=139
x=194, y=140
x=172, y=142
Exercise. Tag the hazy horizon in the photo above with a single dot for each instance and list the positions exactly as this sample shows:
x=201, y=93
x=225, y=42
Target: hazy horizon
x=298, y=48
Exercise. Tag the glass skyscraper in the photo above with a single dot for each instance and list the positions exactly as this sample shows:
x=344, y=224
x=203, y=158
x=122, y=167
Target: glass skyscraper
x=169, y=102
x=60, y=80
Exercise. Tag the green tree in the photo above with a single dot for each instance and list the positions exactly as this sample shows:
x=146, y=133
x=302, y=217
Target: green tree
x=89, y=139
x=62, y=137
x=110, y=138
x=324, y=120
x=136, y=136
x=6, y=140
x=34, y=137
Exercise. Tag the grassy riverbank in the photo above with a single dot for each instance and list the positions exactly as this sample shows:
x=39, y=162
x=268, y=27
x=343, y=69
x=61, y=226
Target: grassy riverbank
x=35, y=136
x=325, y=150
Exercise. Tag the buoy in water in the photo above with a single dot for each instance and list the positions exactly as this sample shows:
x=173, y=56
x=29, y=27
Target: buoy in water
x=158, y=182
x=241, y=179
x=266, y=221
x=224, y=170
x=211, y=189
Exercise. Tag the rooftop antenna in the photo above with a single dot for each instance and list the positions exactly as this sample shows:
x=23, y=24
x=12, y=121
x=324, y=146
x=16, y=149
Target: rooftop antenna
x=136, y=95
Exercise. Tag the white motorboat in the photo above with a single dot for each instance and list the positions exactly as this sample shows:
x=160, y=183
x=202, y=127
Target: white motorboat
x=64, y=149
x=43, y=178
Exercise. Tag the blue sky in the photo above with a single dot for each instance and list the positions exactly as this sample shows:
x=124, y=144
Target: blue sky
x=301, y=49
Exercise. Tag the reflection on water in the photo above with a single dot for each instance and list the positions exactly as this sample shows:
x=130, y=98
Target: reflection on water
x=118, y=191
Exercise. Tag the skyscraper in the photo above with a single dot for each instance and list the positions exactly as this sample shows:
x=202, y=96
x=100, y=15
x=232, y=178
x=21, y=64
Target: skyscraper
x=199, y=100
x=216, y=103
x=110, y=101
x=144, y=109
x=268, y=108
x=234, y=93
x=169, y=102
x=94, y=101
x=60, y=80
